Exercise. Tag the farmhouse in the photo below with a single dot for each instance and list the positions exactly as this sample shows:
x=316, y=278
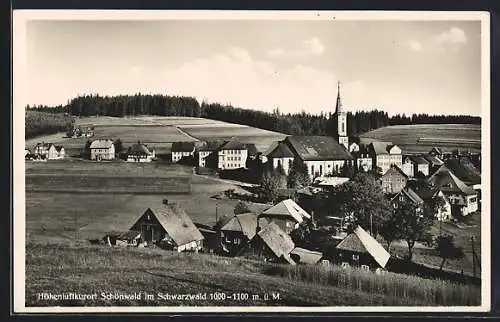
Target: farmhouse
x=463, y=199
x=394, y=180
x=361, y=249
x=169, y=227
x=102, y=150
x=420, y=164
x=232, y=155
x=140, y=153
x=385, y=154
x=237, y=232
x=286, y=214
x=273, y=245
x=182, y=150
x=427, y=195
x=49, y=151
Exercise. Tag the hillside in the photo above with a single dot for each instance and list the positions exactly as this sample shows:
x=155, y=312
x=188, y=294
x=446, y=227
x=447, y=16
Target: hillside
x=422, y=137
x=85, y=269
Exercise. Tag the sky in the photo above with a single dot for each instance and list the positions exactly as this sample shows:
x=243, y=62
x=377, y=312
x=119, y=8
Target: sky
x=407, y=67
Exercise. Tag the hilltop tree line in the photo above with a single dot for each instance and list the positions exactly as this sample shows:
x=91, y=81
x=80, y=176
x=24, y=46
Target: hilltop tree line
x=40, y=123
x=295, y=124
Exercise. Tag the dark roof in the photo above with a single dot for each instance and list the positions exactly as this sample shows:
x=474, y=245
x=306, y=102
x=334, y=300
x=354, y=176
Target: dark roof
x=410, y=194
x=246, y=223
x=176, y=223
x=464, y=170
x=317, y=148
x=138, y=149
x=448, y=182
x=281, y=151
x=428, y=193
x=434, y=161
x=43, y=144
x=211, y=145
x=59, y=148
x=252, y=149
x=381, y=147
x=361, y=242
x=395, y=169
x=233, y=145
x=183, y=147
x=419, y=159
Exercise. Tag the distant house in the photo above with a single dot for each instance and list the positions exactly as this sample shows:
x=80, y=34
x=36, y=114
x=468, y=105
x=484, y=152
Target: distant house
x=353, y=147
x=102, y=150
x=434, y=162
x=305, y=256
x=232, y=155
x=182, y=150
x=420, y=164
x=465, y=170
x=408, y=195
x=169, y=227
x=237, y=232
x=359, y=249
x=207, y=154
x=463, y=199
x=436, y=152
x=363, y=158
x=140, y=153
x=328, y=183
x=385, y=154
x=444, y=212
x=49, y=151
x=273, y=244
x=408, y=167
x=287, y=214
x=282, y=156
x=394, y=180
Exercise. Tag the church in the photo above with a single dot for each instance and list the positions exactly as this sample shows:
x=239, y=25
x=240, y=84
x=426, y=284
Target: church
x=322, y=155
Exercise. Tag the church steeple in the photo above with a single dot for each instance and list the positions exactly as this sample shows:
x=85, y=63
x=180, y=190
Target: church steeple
x=338, y=107
x=341, y=117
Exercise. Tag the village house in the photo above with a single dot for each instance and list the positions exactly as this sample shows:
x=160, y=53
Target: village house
x=207, y=154
x=408, y=195
x=182, y=151
x=394, y=180
x=272, y=245
x=232, y=155
x=408, y=167
x=434, y=162
x=359, y=249
x=420, y=164
x=287, y=214
x=169, y=227
x=463, y=199
x=443, y=213
x=385, y=154
x=237, y=232
x=49, y=151
x=363, y=159
x=465, y=170
x=140, y=153
x=305, y=256
x=102, y=150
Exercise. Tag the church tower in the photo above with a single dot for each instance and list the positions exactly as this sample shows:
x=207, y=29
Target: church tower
x=341, y=117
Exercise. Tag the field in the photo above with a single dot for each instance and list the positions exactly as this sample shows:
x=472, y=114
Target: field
x=95, y=270
x=421, y=138
x=159, y=132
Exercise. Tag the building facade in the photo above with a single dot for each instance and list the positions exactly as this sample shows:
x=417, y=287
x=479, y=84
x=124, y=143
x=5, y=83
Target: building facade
x=182, y=150
x=232, y=155
x=102, y=150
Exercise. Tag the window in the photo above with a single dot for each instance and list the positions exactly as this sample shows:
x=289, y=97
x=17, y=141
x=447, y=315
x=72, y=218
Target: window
x=473, y=199
x=355, y=257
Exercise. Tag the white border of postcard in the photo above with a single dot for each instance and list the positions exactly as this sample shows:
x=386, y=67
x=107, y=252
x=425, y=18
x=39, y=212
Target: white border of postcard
x=20, y=17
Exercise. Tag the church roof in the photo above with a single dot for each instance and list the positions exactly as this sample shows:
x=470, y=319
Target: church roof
x=338, y=106
x=281, y=151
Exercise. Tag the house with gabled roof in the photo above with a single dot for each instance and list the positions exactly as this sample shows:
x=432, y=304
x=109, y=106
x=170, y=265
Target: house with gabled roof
x=102, y=150
x=385, y=154
x=182, y=150
x=393, y=180
x=408, y=195
x=360, y=249
x=465, y=171
x=436, y=152
x=434, y=162
x=287, y=214
x=420, y=164
x=281, y=156
x=408, y=166
x=207, y=153
x=237, y=232
x=232, y=155
x=273, y=245
x=363, y=158
x=169, y=227
x=463, y=199
x=140, y=153
x=49, y=151
x=428, y=194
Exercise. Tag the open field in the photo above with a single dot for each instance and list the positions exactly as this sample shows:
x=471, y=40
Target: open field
x=421, y=138
x=159, y=132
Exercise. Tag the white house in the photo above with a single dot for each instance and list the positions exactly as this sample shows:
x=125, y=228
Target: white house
x=49, y=151
x=102, y=150
x=232, y=155
x=407, y=167
x=282, y=156
x=385, y=154
x=140, y=153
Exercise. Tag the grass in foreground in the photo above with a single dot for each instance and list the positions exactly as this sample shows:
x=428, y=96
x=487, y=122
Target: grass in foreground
x=84, y=269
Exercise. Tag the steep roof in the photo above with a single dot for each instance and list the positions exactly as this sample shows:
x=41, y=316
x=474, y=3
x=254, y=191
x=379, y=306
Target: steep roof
x=448, y=182
x=101, y=144
x=436, y=150
x=410, y=194
x=305, y=256
x=305, y=191
x=139, y=149
x=395, y=169
x=381, y=147
x=312, y=148
x=464, y=170
x=360, y=241
x=280, y=243
x=211, y=145
x=419, y=159
x=176, y=223
x=287, y=208
x=233, y=145
x=252, y=149
x=182, y=146
x=246, y=223
x=281, y=151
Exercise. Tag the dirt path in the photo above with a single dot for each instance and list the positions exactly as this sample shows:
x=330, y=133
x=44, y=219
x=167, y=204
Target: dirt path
x=185, y=133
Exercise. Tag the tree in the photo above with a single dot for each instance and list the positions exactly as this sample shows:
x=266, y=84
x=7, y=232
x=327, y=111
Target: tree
x=298, y=175
x=302, y=235
x=447, y=249
x=413, y=223
x=389, y=230
x=86, y=149
x=241, y=208
x=362, y=201
x=271, y=183
x=118, y=146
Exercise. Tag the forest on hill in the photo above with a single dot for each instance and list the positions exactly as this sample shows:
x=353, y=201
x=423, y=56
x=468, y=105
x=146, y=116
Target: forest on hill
x=294, y=124
x=41, y=123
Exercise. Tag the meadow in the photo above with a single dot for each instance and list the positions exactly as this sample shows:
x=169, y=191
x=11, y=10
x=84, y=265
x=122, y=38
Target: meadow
x=72, y=267
x=421, y=138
